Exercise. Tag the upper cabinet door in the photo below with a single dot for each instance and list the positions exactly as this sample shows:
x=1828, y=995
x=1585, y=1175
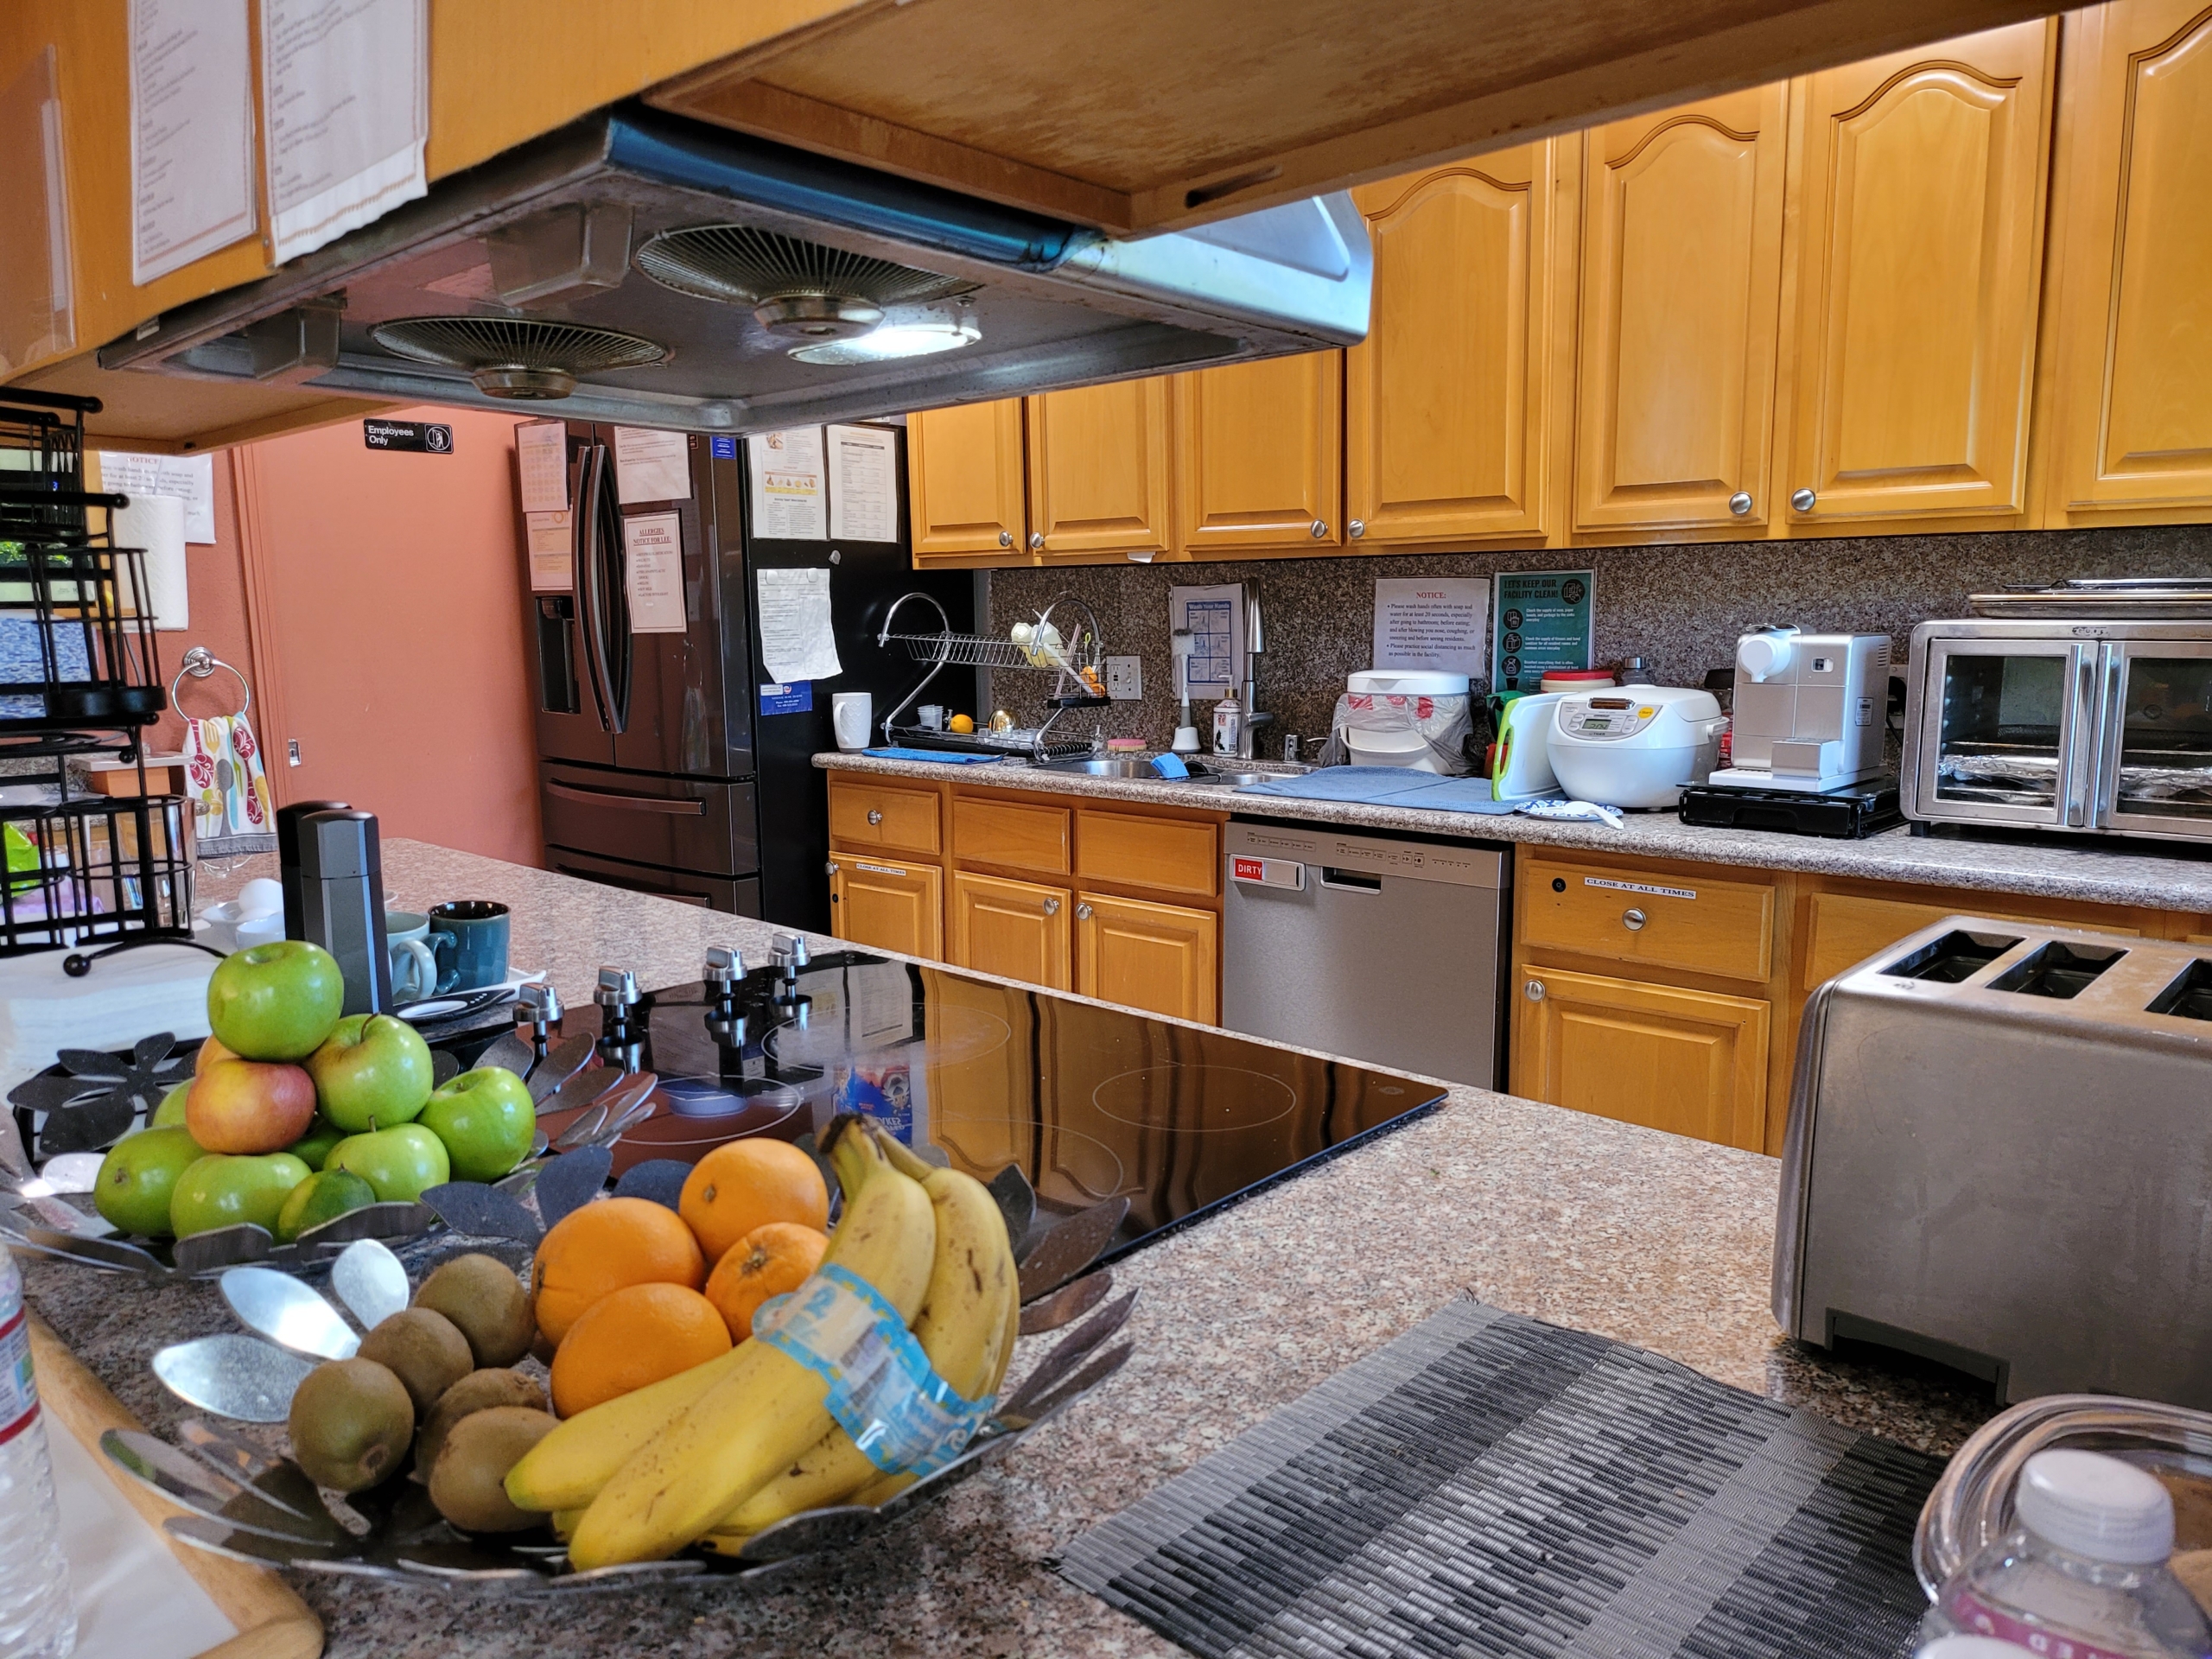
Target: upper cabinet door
x=1444, y=428
x=2134, y=257
x=1917, y=269
x=1261, y=448
x=963, y=477
x=1682, y=279
x=1099, y=462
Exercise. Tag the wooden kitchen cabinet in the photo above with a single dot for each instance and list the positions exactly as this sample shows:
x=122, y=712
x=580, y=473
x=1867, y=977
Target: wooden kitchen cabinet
x=965, y=486
x=1918, y=187
x=2131, y=262
x=1445, y=400
x=889, y=907
x=1017, y=930
x=1100, y=463
x=1681, y=323
x=1691, y=1062
x=872, y=813
x=1260, y=456
x=1163, y=958
x=1693, y=919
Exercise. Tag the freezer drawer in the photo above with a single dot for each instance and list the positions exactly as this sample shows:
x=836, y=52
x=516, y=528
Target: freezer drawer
x=678, y=823
x=737, y=898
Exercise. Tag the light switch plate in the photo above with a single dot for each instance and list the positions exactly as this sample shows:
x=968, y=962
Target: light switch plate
x=1125, y=679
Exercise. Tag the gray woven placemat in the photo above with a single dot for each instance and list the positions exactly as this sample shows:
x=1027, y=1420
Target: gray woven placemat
x=1489, y=1484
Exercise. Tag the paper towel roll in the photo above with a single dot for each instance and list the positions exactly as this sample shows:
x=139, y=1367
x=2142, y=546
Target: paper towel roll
x=155, y=523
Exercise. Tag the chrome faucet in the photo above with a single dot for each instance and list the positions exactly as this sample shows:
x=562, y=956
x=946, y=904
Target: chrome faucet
x=1254, y=645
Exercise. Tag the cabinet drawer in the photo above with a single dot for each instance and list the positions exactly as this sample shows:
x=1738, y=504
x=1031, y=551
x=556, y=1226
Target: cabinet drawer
x=876, y=815
x=1691, y=922
x=1027, y=836
x=1172, y=855
x=1844, y=929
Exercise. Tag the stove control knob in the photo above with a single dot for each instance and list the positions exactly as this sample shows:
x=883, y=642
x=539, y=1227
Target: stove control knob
x=540, y=1004
x=617, y=988
x=725, y=967
x=791, y=951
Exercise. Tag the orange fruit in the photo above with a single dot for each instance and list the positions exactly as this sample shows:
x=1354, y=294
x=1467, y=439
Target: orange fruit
x=604, y=1246
x=631, y=1337
x=766, y=1261
x=742, y=1184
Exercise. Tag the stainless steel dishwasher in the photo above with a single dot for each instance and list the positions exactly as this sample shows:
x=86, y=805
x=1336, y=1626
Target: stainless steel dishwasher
x=1377, y=948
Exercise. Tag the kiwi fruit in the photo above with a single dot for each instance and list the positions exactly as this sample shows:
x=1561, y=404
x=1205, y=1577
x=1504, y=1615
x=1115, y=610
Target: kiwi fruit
x=350, y=1423
x=425, y=1350
x=478, y=1391
x=468, y=1483
x=481, y=1295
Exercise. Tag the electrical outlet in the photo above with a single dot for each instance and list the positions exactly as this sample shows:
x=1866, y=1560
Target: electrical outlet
x=1125, y=679
x=292, y=751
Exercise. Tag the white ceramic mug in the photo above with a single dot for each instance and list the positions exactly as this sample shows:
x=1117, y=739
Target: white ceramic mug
x=414, y=967
x=849, y=718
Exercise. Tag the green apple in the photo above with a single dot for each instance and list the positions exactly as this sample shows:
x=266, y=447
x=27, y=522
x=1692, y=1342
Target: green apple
x=249, y=1106
x=275, y=1001
x=139, y=1176
x=321, y=1197
x=373, y=1072
x=222, y=1190
x=401, y=1163
x=312, y=1149
x=169, y=1114
x=486, y=1119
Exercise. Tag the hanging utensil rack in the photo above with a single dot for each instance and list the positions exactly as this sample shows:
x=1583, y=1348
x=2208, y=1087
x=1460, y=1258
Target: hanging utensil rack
x=1071, y=648
x=80, y=678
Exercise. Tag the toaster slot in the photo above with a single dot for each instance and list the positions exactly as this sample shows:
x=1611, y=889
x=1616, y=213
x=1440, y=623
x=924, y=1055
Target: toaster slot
x=2189, y=997
x=2057, y=970
x=1957, y=955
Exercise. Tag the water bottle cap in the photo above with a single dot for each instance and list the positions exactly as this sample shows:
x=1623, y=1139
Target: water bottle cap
x=1970, y=1647
x=2095, y=1506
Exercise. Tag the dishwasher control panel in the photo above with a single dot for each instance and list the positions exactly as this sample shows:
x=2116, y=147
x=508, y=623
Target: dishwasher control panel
x=1258, y=853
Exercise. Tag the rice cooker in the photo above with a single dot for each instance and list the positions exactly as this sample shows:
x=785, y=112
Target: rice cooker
x=1637, y=746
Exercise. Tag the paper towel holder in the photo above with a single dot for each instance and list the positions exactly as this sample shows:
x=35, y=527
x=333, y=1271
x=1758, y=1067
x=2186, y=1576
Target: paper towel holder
x=200, y=663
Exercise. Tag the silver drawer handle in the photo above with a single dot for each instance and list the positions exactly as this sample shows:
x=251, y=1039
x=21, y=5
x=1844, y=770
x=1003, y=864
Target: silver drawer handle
x=1052, y=907
x=1634, y=921
x=1358, y=527
x=1740, y=503
x=1082, y=912
x=1320, y=528
x=1036, y=540
x=875, y=814
x=1534, y=990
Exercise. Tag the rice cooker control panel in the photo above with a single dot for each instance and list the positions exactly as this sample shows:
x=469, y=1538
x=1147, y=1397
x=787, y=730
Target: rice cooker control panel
x=1605, y=719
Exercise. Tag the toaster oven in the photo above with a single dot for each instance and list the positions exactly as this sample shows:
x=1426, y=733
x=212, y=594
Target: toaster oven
x=2084, y=726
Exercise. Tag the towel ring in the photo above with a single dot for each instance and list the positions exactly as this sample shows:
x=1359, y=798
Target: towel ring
x=199, y=663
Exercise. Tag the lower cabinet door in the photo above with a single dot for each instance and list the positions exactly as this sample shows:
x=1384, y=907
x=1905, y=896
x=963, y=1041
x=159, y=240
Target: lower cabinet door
x=891, y=906
x=1690, y=1062
x=1162, y=958
x=1017, y=930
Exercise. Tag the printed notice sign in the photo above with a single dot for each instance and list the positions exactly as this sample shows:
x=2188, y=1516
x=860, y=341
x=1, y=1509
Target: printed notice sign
x=788, y=504
x=541, y=458
x=552, y=559
x=1543, y=622
x=797, y=638
x=346, y=106
x=864, y=490
x=652, y=560
x=1432, y=623
x=1214, y=618
x=191, y=478
x=651, y=465
x=191, y=131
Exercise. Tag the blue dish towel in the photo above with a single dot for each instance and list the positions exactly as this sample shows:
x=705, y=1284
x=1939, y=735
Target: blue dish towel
x=1459, y=795
x=1368, y=784
x=950, y=757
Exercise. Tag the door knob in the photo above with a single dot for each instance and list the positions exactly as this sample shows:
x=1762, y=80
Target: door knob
x=1358, y=527
x=1634, y=921
x=1052, y=907
x=1006, y=538
x=1320, y=528
x=875, y=814
x=1803, y=500
x=1740, y=503
x=1534, y=990
x=1036, y=541
x=1082, y=912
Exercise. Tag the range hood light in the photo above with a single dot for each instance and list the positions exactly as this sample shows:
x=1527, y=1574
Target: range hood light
x=916, y=336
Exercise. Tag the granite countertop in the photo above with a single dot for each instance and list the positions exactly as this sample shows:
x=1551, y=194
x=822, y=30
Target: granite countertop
x=2155, y=875
x=1642, y=1236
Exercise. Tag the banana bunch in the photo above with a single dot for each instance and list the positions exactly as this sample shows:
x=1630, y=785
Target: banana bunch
x=718, y=1453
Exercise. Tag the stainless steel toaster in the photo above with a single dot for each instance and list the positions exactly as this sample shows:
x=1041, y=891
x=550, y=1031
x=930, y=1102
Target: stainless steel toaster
x=1999, y=1157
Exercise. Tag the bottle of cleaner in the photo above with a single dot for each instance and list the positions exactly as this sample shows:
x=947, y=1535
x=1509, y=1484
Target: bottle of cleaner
x=1227, y=725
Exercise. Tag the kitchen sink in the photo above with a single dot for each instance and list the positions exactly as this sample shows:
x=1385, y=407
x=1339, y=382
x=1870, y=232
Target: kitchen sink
x=1112, y=765
x=1122, y=766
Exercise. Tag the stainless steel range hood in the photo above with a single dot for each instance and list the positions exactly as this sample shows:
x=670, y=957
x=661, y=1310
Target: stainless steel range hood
x=639, y=267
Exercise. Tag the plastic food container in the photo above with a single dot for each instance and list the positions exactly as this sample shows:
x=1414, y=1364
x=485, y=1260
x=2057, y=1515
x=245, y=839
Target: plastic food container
x=1390, y=718
x=1576, y=679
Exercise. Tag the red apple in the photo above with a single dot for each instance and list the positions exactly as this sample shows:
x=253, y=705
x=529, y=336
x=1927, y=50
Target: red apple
x=211, y=1050
x=249, y=1106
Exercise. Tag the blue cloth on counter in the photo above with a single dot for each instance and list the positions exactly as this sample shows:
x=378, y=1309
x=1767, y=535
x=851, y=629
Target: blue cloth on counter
x=1458, y=795
x=1368, y=784
x=950, y=757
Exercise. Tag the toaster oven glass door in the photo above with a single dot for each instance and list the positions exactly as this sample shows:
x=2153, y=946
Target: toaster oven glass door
x=2008, y=730
x=2156, y=753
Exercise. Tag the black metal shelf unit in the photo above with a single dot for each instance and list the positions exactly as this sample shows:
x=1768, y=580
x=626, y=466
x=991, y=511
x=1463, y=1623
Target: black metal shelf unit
x=80, y=678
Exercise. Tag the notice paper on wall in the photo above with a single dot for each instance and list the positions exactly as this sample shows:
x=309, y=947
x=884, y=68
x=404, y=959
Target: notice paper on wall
x=346, y=109
x=191, y=131
x=796, y=642
x=542, y=459
x=788, y=504
x=1215, y=617
x=864, y=483
x=155, y=524
x=552, y=556
x=652, y=572
x=191, y=478
x=651, y=466
x=1544, y=620
x=1432, y=623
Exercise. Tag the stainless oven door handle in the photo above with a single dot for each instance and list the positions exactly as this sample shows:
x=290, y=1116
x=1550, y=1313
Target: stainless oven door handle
x=2112, y=711
x=675, y=809
x=2081, y=726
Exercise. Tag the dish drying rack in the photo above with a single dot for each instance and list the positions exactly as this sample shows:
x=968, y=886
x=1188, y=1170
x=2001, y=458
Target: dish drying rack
x=1076, y=655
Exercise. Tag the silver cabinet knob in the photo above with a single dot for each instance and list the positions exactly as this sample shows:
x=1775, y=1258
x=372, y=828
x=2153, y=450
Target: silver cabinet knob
x=1803, y=500
x=1319, y=527
x=1634, y=921
x=1082, y=912
x=1740, y=503
x=830, y=868
x=1534, y=990
x=1006, y=538
x=875, y=814
x=1036, y=541
x=1052, y=907
x=1358, y=527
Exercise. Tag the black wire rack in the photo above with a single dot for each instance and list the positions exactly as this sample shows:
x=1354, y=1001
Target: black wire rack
x=79, y=680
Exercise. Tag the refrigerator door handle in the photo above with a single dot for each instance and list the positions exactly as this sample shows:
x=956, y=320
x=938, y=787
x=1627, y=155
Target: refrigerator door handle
x=614, y=600
x=692, y=808
x=591, y=467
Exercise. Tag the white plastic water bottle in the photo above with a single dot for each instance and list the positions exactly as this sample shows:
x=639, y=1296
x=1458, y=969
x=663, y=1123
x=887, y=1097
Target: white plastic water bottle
x=2082, y=1574
x=37, y=1618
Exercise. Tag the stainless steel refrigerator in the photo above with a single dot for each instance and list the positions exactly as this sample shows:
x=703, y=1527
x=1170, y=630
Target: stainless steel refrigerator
x=663, y=766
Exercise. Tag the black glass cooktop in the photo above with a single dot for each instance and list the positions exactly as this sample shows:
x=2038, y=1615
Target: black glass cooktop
x=1091, y=1102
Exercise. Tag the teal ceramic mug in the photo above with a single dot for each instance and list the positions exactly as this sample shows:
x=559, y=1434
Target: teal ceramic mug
x=469, y=937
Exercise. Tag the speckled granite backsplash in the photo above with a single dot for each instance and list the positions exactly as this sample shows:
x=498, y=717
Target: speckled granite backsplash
x=1682, y=607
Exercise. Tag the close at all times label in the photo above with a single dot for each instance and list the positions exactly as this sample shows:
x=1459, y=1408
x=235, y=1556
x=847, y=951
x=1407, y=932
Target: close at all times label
x=1639, y=886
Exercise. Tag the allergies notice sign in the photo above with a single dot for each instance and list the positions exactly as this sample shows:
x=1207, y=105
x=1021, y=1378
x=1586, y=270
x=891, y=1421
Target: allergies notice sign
x=1432, y=623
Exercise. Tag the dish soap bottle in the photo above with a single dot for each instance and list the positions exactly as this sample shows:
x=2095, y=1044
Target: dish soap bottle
x=1228, y=724
x=2083, y=1569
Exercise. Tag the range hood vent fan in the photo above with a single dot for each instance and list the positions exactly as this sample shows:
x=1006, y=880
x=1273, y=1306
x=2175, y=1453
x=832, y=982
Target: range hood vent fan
x=524, y=358
x=801, y=291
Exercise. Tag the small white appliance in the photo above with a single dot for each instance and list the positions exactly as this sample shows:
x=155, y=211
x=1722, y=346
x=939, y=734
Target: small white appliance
x=1522, y=768
x=1637, y=746
x=1809, y=710
x=1395, y=718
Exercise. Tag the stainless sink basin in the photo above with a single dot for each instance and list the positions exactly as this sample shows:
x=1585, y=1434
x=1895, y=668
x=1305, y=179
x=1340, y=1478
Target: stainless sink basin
x=1230, y=780
x=1115, y=765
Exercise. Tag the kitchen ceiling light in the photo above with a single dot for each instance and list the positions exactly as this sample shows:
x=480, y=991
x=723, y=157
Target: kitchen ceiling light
x=918, y=337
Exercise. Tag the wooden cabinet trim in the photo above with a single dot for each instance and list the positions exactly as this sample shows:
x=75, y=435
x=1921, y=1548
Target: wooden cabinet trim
x=1024, y=835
